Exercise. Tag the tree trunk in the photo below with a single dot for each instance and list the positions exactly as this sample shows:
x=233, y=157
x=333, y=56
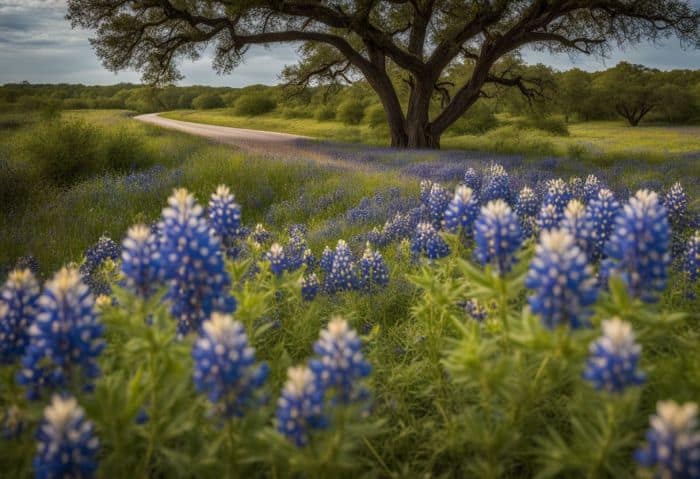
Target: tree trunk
x=418, y=127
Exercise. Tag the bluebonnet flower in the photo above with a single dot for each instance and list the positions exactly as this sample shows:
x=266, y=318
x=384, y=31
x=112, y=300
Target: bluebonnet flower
x=309, y=287
x=65, y=336
x=343, y=274
x=225, y=215
x=673, y=442
x=427, y=241
x=562, y=279
x=28, y=262
x=601, y=212
x=497, y=235
x=372, y=270
x=437, y=202
x=224, y=365
x=95, y=256
x=692, y=257
x=260, y=235
x=614, y=358
x=472, y=180
x=66, y=442
x=576, y=187
x=574, y=222
x=277, y=259
x=557, y=194
x=141, y=261
x=497, y=184
x=326, y=262
x=676, y=203
x=18, y=306
x=300, y=406
x=639, y=245
x=340, y=362
x=591, y=187
x=462, y=211
x=308, y=259
x=549, y=217
x=376, y=237
x=194, y=264
x=398, y=227
x=526, y=204
x=425, y=187
x=296, y=248
x=104, y=249
x=475, y=310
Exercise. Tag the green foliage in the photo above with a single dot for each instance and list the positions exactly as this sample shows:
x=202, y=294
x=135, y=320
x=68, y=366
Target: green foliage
x=124, y=151
x=375, y=116
x=207, y=101
x=325, y=113
x=63, y=151
x=548, y=124
x=351, y=112
x=478, y=119
x=254, y=105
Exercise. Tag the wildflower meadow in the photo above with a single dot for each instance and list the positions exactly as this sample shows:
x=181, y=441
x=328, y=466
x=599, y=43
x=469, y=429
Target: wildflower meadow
x=491, y=324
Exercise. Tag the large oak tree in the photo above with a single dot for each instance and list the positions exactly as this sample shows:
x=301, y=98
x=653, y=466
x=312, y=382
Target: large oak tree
x=392, y=44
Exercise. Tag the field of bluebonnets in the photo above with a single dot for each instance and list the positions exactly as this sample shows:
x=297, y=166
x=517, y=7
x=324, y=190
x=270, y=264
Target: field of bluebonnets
x=203, y=312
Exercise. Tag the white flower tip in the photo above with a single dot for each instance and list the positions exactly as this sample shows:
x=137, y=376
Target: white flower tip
x=222, y=191
x=496, y=208
x=618, y=331
x=575, y=209
x=677, y=417
x=62, y=411
x=66, y=279
x=21, y=278
x=139, y=233
x=298, y=379
x=464, y=194
x=557, y=241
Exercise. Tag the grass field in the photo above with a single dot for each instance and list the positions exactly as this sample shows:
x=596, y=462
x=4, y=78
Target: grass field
x=590, y=140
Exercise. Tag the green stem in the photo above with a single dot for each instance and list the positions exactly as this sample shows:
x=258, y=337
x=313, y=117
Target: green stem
x=503, y=310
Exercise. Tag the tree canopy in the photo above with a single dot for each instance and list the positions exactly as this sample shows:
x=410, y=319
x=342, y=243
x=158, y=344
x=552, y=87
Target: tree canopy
x=392, y=44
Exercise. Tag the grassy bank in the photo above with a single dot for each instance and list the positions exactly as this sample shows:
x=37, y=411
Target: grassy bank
x=599, y=140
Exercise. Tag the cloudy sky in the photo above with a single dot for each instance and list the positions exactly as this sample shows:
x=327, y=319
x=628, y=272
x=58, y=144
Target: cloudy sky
x=38, y=45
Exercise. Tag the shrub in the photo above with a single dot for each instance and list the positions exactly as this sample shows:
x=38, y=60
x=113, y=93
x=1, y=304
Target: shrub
x=14, y=183
x=254, y=105
x=351, y=112
x=296, y=112
x=124, y=151
x=63, y=151
x=375, y=116
x=324, y=113
x=546, y=123
x=207, y=101
x=477, y=120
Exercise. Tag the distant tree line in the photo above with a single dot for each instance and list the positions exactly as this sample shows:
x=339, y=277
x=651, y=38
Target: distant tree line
x=631, y=92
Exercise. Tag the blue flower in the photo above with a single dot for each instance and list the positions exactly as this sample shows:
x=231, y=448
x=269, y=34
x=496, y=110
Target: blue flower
x=340, y=362
x=277, y=259
x=472, y=180
x=194, y=264
x=104, y=249
x=425, y=187
x=549, y=217
x=639, y=245
x=576, y=187
x=614, y=358
x=373, y=271
x=296, y=249
x=557, y=194
x=692, y=257
x=562, y=279
x=497, y=235
x=497, y=184
x=260, y=235
x=673, y=442
x=141, y=261
x=676, y=203
x=398, y=227
x=309, y=287
x=18, y=306
x=475, y=310
x=574, y=222
x=437, y=202
x=326, y=261
x=527, y=204
x=343, y=274
x=427, y=241
x=224, y=365
x=591, y=187
x=66, y=442
x=300, y=406
x=225, y=215
x=65, y=337
x=462, y=211
x=600, y=220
